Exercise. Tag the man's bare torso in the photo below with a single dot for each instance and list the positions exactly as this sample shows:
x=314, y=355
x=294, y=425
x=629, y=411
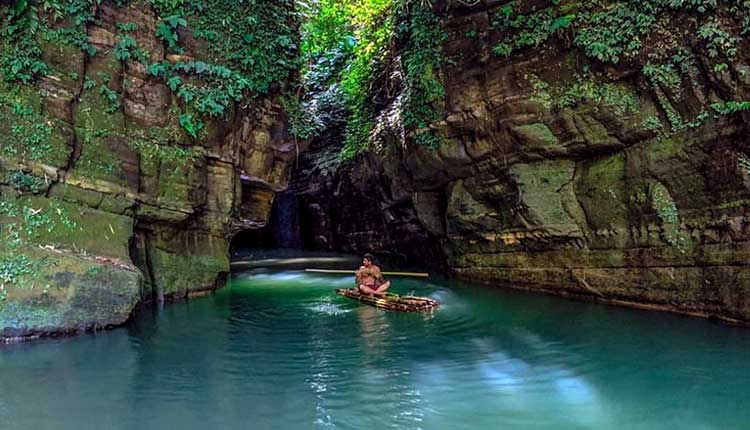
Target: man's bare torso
x=369, y=276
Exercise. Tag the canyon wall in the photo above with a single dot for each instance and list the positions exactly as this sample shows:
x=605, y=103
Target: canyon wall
x=592, y=150
x=130, y=152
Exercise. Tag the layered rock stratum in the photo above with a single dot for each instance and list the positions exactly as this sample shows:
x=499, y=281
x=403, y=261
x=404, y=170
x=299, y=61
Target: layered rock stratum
x=126, y=159
x=590, y=149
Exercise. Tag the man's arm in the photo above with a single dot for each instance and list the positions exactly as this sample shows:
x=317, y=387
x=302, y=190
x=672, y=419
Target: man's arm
x=358, y=276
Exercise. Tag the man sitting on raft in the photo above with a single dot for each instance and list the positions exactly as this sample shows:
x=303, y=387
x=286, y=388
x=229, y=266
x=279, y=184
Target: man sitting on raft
x=370, y=279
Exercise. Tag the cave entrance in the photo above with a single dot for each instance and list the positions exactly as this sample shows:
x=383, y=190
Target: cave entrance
x=282, y=242
x=282, y=232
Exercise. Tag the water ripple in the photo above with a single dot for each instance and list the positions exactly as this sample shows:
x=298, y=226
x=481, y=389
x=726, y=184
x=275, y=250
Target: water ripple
x=282, y=350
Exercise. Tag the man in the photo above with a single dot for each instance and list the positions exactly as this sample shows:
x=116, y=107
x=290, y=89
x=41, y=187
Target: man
x=370, y=279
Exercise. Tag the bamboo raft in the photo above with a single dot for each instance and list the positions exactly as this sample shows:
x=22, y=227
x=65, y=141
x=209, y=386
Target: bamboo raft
x=391, y=302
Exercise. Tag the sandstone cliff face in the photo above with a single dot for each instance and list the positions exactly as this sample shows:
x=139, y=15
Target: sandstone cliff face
x=623, y=181
x=107, y=198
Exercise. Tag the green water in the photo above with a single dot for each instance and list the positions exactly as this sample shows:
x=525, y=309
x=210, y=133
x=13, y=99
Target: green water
x=282, y=351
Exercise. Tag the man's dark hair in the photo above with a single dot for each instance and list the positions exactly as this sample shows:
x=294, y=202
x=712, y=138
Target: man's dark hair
x=369, y=257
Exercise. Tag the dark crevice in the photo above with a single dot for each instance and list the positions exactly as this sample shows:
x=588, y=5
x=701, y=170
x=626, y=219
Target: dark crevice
x=140, y=254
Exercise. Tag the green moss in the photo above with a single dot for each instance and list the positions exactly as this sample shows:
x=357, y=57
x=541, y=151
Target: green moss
x=28, y=133
x=669, y=217
x=536, y=136
x=184, y=261
x=177, y=274
x=540, y=185
x=37, y=220
x=99, y=127
x=602, y=180
x=67, y=292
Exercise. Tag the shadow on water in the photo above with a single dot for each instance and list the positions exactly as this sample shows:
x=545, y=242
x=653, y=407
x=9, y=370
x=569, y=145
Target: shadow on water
x=278, y=348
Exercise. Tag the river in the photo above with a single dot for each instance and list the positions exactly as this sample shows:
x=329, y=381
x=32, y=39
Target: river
x=280, y=350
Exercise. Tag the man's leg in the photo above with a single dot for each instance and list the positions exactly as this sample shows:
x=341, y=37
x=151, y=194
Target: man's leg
x=382, y=288
x=367, y=290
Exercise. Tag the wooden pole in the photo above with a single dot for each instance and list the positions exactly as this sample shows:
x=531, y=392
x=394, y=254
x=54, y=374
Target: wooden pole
x=414, y=274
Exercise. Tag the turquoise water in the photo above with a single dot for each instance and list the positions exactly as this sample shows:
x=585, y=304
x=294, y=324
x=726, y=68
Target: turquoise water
x=282, y=351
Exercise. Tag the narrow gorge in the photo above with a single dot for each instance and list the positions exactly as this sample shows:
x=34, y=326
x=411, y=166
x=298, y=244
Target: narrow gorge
x=595, y=150
x=136, y=142
x=591, y=150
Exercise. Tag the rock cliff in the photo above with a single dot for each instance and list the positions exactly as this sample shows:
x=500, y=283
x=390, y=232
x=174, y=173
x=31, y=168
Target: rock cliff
x=135, y=139
x=590, y=149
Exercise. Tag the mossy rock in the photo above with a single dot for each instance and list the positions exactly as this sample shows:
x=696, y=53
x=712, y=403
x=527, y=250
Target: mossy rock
x=53, y=222
x=537, y=138
x=600, y=188
x=469, y=217
x=186, y=261
x=678, y=162
x=106, y=153
x=29, y=134
x=178, y=274
x=65, y=293
x=544, y=194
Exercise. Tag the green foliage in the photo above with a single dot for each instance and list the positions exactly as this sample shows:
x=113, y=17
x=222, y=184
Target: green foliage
x=126, y=26
x=303, y=122
x=743, y=162
x=668, y=216
x=127, y=49
x=24, y=182
x=731, y=107
x=653, y=123
x=93, y=270
x=20, y=222
x=541, y=89
x=71, y=23
x=620, y=98
x=718, y=41
x=344, y=43
x=157, y=150
x=21, y=218
x=422, y=59
x=20, y=54
x=665, y=76
x=30, y=136
x=191, y=125
x=88, y=83
x=167, y=31
x=349, y=43
x=110, y=95
x=251, y=38
x=167, y=7
x=373, y=21
x=532, y=29
x=742, y=8
x=615, y=31
x=26, y=24
x=327, y=30
x=14, y=267
x=212, y=94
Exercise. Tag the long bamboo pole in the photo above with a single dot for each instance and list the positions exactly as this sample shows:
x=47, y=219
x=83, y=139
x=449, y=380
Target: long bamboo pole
x=414, y=274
